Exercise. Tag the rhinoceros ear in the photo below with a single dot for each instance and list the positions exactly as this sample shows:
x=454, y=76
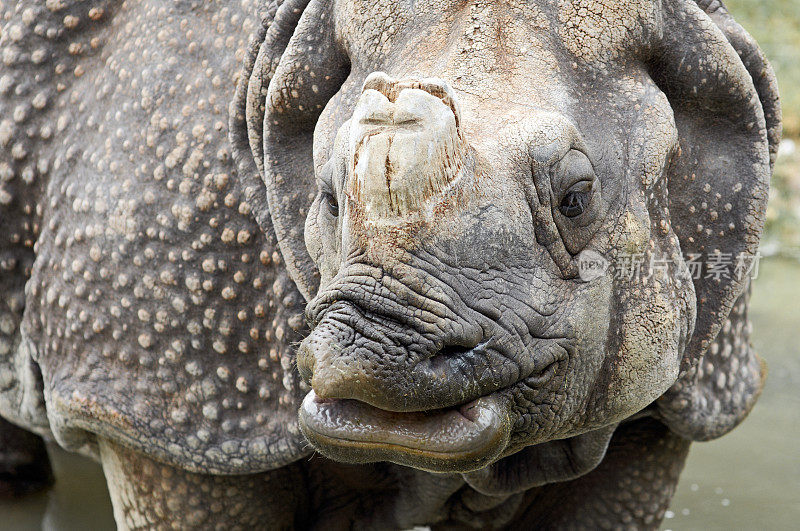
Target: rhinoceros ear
x=724, y=96
x=757, y=65
x=290, y=77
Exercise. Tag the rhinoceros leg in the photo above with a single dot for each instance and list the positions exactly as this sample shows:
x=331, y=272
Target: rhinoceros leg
x=24, y=465
x=150, y=495
x=630, y=489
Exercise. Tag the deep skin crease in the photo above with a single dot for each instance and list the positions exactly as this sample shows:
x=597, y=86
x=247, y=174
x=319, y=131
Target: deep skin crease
x=382, y=232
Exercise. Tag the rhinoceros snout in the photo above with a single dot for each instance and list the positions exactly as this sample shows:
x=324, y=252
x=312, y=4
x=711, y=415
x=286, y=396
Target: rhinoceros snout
x=405, y=145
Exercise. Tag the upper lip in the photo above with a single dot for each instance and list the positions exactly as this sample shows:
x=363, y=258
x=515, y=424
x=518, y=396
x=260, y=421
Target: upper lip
x=450, y=377
x=443, y=365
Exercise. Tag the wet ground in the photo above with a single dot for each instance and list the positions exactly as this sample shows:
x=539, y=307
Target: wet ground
x=749, y=479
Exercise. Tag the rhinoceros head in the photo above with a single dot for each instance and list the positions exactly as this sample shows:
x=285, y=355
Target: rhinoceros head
x=494, y=210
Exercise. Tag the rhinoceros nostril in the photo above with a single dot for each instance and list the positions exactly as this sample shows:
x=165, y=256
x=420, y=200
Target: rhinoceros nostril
x=445, y=358
x=452, y=351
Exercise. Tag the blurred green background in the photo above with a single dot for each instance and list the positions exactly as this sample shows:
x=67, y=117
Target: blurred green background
x=775, y=24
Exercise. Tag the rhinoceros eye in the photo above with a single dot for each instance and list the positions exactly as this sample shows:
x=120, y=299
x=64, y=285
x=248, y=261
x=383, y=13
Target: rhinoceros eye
x=576, y=200
x=331, y=203
x=573, y=184
x=327, y=196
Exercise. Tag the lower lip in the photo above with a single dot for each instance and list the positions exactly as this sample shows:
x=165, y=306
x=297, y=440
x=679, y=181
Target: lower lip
x=459, y=439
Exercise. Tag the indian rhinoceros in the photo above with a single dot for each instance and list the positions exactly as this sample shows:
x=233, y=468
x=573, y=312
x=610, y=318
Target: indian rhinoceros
x=477, y=245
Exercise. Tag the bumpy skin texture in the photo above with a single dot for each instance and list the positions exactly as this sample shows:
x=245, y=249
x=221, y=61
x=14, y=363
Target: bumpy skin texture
x=144, y=492
x=155, y=274
x=631, y=489
x=157, y=310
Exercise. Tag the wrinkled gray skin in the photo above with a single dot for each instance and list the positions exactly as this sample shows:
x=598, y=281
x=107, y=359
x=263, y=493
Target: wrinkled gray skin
x=418, y=178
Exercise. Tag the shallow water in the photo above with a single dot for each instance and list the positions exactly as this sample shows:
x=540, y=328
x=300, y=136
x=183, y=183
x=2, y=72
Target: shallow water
x=77, y=502
x=749, y=479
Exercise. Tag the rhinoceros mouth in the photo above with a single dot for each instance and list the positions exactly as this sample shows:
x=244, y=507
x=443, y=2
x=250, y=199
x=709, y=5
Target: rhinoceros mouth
x=459, y=439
